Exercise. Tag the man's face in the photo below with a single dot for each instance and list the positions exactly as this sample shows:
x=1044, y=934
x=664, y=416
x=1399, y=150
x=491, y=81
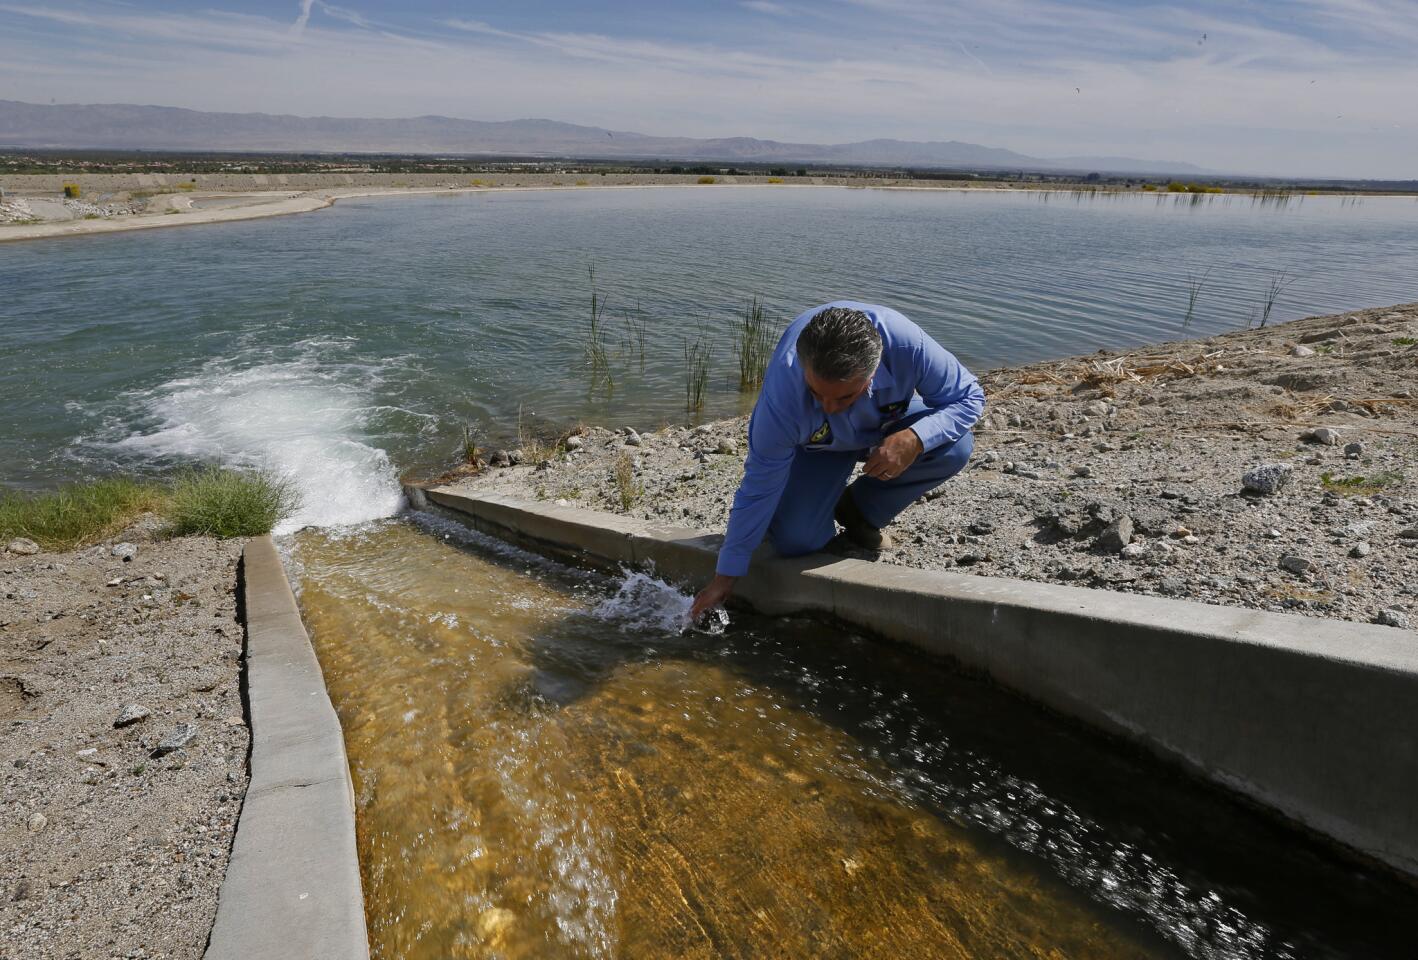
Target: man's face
x=835, y=395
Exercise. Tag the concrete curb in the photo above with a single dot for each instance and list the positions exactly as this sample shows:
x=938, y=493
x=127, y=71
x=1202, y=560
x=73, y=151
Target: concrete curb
x=1312, y=718
x=292, y=888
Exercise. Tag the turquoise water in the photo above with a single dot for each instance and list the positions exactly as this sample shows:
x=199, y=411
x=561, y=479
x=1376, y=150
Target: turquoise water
x=343, y=346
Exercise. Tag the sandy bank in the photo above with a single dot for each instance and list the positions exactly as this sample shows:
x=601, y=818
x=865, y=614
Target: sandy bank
x=106, y=849
x=1123, y=471
x=177, y=200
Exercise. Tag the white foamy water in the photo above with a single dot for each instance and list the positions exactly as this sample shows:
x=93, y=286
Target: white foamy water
x=291, y=419
x=645, y=603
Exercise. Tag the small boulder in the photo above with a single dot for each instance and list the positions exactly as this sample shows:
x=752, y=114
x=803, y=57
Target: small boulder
x=574, y=443
x=1300, y=350
x=23, y=546
x=1115, y=536
x=632, y=438
x=500, y=458
x=1353, y=451
x=727, y=447
x=1328, y=436
x=1083, y=470
x=1267, y=478
x=124, y=551
x=176, y=738
x=37, y=822
x=1296, y=564
x=1360, y=550
x=130, y=715
x=1392, y=617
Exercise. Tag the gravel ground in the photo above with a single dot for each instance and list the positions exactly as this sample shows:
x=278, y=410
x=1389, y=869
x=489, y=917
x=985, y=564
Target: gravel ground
x=107, y=850
x=1123, y=471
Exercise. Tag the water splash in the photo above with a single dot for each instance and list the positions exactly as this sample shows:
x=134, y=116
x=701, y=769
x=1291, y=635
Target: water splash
x=293, y=419
x=644, y=602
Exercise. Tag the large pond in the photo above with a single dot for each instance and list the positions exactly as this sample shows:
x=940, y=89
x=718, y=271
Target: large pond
x=546, y=766
x=346, y=345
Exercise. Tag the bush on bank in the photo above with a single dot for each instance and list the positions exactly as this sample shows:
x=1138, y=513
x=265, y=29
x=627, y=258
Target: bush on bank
x=211, y=502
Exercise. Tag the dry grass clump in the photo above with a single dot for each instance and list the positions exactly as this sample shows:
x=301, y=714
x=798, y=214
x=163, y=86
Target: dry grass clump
x=627, y=488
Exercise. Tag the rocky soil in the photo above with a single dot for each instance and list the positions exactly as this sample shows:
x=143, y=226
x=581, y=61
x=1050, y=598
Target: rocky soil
x=124, y=747
x=1133, y=471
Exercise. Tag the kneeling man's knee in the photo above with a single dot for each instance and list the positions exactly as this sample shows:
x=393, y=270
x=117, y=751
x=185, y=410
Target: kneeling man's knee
x=795, y=543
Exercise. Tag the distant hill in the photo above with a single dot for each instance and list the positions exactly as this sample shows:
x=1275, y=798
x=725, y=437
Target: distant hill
x=129, y=126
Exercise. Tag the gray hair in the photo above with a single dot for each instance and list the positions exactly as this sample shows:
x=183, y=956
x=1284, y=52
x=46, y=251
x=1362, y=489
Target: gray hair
x=840, y=344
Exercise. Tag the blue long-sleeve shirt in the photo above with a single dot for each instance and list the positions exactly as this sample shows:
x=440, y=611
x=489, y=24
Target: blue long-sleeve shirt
x=915, y=372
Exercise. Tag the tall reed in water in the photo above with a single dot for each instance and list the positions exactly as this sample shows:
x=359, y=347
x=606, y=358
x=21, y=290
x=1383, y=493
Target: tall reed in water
x=1194, y=288
x=597, y=359
x=753, y=346
x=1279, y=282
x=697, y=356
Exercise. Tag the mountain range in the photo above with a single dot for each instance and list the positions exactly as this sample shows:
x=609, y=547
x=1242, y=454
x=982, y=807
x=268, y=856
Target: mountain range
x=132, y=126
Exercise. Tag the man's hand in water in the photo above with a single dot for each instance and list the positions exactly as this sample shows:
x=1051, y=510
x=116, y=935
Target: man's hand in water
x=711, y=596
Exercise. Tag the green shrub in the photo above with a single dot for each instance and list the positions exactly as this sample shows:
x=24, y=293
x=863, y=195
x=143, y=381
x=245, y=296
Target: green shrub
x=707, y=180
x=215, y=502
x=77, y=515
x=1176, y=186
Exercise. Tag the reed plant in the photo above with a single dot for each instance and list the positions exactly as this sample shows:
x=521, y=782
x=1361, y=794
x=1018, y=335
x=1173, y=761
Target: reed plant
x=1195, y=284
x=627, y=488
x=594, y=349
x=1280, y=281
x=634, y=335
x=753, y=346
x=698, y=355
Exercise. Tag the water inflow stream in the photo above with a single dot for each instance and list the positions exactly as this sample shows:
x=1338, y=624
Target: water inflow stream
x=546, y=765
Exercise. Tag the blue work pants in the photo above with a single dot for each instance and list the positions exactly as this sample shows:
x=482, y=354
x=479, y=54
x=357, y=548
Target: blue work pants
x=803, y=522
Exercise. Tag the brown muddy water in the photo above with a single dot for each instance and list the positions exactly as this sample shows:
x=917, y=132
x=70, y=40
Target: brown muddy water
x=546, y=765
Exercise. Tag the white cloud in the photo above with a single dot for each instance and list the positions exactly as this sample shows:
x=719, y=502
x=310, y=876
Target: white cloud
x=1038, y=76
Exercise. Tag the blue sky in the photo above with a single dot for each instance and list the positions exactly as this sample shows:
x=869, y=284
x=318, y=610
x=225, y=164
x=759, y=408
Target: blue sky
x=1302, y=87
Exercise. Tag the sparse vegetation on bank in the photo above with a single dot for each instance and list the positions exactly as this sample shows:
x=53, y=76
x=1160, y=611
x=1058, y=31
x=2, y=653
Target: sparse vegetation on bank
x=753, y=346
x=211, y=502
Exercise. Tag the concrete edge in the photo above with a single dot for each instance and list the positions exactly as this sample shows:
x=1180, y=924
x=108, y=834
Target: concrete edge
x=1313, y=719
x=292, y=887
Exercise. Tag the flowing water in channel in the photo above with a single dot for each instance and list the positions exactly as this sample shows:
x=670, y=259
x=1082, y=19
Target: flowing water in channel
x=546, y=765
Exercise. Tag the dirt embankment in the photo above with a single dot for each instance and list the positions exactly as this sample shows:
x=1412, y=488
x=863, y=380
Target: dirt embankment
x=1126, y=471
x=124, y=746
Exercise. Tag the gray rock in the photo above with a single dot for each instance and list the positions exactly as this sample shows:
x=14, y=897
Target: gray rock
x=130, y=715
x=727, y=447
x=1353, y=451
x=176, y=738
x=1134, y=551
x=37, y=822
x=1267, y=478
x=574, y=443
x=1083, y=470
x=1300, y=350
x=1322, y=335
x=1392, y=617
x=632, y=438
x=500, y=458
x=23, y=546
x=982, y=528
x=1360, y=550
x=1115, y=536
x=124, y=551
x=1296, y=564
x=1323, y=435
x=1410, y=534
x=516, y=456
x=703, y=430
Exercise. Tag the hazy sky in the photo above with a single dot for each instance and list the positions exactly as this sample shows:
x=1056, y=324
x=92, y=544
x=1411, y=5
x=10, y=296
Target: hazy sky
x=1305, y=87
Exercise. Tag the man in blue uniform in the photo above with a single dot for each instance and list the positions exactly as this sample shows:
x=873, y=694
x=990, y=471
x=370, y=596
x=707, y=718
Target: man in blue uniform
x=848, y=382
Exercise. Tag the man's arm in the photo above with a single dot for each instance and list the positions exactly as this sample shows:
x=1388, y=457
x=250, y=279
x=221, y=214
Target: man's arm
x=949, y=389
x=772, y=445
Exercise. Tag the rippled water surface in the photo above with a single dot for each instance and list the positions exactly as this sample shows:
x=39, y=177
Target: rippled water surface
x=545, y=765
x=349, y=344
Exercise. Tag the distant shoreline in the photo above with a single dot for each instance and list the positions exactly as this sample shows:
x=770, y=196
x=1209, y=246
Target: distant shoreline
x=173, y=200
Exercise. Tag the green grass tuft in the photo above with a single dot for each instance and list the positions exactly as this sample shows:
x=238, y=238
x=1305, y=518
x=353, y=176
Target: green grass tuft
x=1360, y=486
x=215, y=502
x=79, y=514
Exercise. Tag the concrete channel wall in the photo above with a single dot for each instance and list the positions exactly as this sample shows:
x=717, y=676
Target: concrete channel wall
x=292, y=889
x=1315, y=719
